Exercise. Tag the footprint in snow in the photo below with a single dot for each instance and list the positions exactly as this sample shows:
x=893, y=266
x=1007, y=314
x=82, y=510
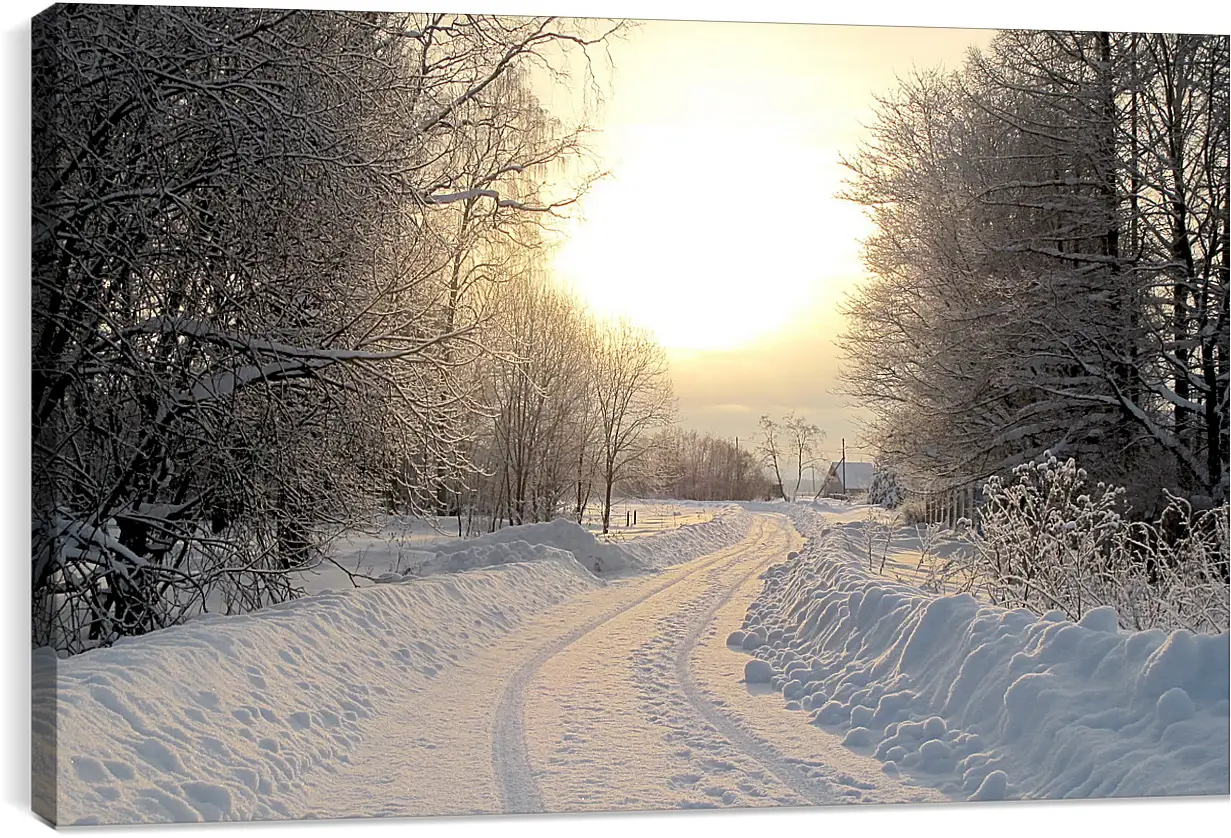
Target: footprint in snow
x=119, y=770
x=208, y=700
x=90, y=770
x=157, y=754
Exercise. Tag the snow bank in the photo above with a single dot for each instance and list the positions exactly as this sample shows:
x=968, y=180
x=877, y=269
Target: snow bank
x=985, y=702
x=215, y=719
x=212, y=719
x=691, y=541
x=566, y=541
x=560, y=534
x=488, y=555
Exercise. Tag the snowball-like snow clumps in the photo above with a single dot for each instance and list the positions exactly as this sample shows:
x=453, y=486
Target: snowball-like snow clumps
x=984, y=702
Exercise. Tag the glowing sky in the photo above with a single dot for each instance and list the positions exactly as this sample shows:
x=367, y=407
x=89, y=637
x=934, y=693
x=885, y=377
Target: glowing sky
x=718, y=227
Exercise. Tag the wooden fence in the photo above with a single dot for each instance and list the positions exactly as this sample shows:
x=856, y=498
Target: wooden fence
x=946, y=506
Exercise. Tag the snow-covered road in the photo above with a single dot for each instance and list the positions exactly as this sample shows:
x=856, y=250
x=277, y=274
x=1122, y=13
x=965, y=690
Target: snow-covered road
x=513, y=679
x=624, y=697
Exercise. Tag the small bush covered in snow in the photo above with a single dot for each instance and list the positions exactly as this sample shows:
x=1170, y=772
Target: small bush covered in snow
x=1048, y=540
x=886, y=490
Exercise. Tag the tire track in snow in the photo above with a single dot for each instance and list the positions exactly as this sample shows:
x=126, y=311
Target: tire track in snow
x=788, y=773
x=519, y=793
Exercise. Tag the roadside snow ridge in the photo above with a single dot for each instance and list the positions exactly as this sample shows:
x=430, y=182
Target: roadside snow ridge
x=985, y=702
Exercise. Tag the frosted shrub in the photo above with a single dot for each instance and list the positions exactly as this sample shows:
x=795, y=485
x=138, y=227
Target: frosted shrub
x=886, y=490
x=942, y=574
x=1042, y=537
x=1186, y=556
x=1048, y=540
x=914, y=512
x=878, y=530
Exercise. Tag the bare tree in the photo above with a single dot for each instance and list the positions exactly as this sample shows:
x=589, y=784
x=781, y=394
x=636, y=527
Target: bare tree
x=539, y=394
x=633, y=395
x=1050, y=263
x=804, y=437
x=701, y=466
x=770, y=449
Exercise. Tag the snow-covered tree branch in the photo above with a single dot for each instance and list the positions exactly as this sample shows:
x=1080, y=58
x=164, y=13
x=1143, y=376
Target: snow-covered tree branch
x=265, y=245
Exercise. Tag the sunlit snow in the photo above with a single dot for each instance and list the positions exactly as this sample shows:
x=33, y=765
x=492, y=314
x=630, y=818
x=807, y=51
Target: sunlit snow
x=742, y=661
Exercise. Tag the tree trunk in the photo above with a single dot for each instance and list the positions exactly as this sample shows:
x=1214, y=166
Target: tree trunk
x=607, y=501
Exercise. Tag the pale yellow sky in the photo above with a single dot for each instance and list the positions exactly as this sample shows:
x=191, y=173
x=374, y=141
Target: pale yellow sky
x=718, y=227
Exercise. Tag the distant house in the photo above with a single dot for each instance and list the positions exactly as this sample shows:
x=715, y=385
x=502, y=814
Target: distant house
x=857, y=476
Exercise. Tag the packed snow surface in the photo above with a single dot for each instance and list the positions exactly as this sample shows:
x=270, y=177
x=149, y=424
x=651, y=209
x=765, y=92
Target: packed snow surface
x=989, y=703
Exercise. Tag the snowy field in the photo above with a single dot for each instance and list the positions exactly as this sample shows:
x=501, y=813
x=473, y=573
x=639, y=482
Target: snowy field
x=735, y=662
x=988, y=703
x=652, y=516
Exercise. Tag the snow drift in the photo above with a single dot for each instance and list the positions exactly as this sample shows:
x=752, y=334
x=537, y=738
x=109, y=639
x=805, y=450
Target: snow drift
x=690, y=541
x=216, y=718
x=203, y=721
x=985, y=702
x=559, y=536
x=489, y=555
x=566, y=541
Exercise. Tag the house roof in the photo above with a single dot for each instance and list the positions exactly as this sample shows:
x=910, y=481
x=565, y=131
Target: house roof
x=858, y=475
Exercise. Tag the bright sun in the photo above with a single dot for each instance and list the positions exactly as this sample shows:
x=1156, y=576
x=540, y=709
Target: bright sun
x=720, y=224
x=688, y=241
